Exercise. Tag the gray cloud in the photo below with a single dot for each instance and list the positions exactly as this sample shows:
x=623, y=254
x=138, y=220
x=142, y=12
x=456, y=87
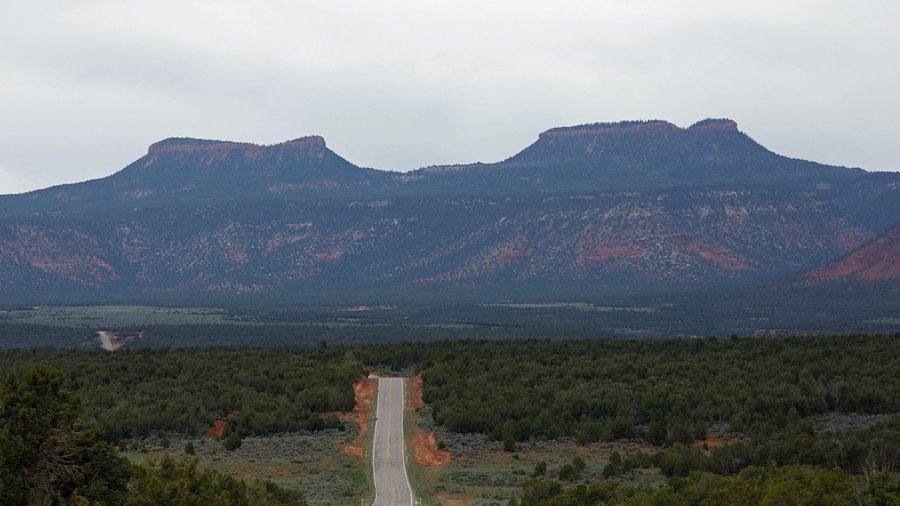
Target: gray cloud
x=86, y=85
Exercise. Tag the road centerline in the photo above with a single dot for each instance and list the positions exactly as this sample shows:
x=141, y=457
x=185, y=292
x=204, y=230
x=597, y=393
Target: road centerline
x=392, y=485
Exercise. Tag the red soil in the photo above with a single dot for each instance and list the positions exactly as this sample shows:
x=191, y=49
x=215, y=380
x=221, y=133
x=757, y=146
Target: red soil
x=415, y=392
x=714, y=254
x=876, y=261
x=283, y=240
x=279, y=471
x=328, y=256
x=75, y=267
x=453, y=499
x=513, y=256
x=424, y=446
x=713, y=441
x=601, y=253
x=216, y=431
x=353, y=451
x=426, y=452
x=364, y=392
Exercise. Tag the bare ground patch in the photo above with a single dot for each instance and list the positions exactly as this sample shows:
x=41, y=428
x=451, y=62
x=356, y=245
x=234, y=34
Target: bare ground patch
x=414, y=386
x=426, y=451
x=364, y=394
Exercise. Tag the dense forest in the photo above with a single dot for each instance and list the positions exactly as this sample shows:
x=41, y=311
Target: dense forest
x=666, y=391
x=609, y=389
x=262, y=390
x=769, y=399
x=49, y=456
x=800, y=485
x=672, y=392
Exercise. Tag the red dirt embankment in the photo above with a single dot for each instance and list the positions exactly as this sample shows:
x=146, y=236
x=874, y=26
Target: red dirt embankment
x=364, y=393
x=353, y=451
x=415, y=392
x=424, y=446
x=218, y=428
x=713, y=441
x=426, y=451
x=447, y=499
x=216, y=431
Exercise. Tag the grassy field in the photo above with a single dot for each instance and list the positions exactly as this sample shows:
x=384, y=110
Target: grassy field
x=279, y=323
x=120, y=316
x=312, y=463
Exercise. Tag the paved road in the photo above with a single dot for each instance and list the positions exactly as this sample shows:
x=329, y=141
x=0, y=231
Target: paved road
x=388, y=458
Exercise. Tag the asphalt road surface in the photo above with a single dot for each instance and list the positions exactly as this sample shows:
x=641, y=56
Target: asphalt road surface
x=388, y=457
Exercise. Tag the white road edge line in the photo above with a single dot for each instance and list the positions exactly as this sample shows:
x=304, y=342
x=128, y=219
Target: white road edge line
x=375, y=438
x=412, y=499
x=378, y=396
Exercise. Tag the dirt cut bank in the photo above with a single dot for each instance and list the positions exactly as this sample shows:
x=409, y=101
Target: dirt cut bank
x=425, y=448
x=364, y=394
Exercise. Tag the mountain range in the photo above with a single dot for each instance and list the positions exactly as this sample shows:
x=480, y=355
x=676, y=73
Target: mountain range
x=605, y=208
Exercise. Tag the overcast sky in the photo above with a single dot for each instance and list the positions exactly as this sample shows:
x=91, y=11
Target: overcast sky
x=86, y=86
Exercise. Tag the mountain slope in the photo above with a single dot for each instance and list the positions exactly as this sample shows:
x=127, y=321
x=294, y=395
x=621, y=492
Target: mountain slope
x=641, y=155
x=656, y=155
x=875, y=260
x=180, y=171
x=633, y=206
x=658, y=239
x=710, y=152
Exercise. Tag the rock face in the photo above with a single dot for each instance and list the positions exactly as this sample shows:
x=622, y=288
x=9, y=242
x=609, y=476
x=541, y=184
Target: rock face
x=875, y=260
x=181, y=171
x=633, y=206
